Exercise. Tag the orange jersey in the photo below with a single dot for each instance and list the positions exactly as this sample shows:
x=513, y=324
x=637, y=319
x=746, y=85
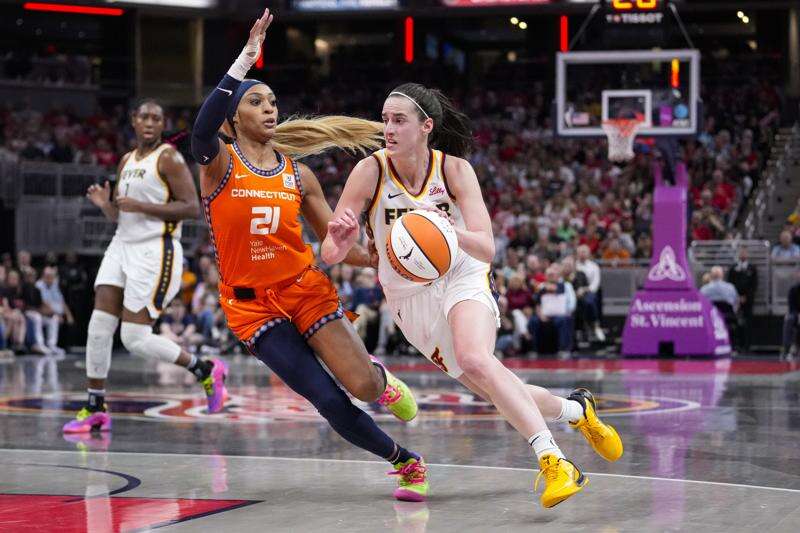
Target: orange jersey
x=254, y=216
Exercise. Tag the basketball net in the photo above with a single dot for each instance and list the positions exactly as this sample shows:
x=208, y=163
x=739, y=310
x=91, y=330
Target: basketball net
x=620, y=133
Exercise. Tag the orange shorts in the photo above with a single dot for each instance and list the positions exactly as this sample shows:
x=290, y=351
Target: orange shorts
x=309, y=302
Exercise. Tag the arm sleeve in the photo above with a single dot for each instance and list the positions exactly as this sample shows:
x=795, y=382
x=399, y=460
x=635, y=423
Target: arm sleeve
x=205, y=145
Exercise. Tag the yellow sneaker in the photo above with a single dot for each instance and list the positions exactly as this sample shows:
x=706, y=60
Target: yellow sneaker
x=561, y=477
x=602, y=437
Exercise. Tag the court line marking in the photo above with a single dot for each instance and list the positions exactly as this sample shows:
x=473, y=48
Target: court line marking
x=443, y=465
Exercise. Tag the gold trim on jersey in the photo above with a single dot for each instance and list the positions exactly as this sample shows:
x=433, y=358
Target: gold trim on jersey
x=424, y=189
x=376, y=195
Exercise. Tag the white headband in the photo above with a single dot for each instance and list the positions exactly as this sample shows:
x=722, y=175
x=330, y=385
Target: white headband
x=414, y=101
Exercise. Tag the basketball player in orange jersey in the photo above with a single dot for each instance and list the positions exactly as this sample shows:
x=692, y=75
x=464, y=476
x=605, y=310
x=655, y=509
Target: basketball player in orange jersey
x=277, y=302
x=141, y=269
x=453, y=320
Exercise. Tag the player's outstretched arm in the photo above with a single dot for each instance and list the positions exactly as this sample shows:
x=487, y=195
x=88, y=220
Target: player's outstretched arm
x=477, y=239
x=343, y=229
x=318, y=214
x=205, y=142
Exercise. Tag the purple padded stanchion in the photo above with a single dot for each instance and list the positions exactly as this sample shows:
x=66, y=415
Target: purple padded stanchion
x=670, y=309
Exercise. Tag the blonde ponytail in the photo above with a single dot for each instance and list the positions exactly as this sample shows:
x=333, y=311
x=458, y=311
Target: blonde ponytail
x=301, y=137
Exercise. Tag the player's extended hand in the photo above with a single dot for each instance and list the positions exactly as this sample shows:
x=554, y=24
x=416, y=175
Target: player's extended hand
x=440, y=213
x=344, y=230
x=257, y=35
x=128, y=205
x=99, y=195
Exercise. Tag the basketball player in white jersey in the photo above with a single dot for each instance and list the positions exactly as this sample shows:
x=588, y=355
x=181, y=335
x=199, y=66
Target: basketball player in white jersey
x=453, y=320
x=141, y=269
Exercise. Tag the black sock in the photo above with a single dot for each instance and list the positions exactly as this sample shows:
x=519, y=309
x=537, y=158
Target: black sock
x=200, y=368
x=383, y=373
x=401, y=455
x=97, y=399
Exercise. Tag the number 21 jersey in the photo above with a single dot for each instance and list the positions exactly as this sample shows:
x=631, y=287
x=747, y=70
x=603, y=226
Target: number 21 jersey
x=254, y=216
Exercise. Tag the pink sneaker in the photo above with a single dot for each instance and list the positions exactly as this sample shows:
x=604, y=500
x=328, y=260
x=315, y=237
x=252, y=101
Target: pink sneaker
x=214, y=385
x=86, y=420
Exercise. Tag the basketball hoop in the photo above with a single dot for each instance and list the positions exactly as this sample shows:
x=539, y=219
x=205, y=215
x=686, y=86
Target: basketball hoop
x=620, y=133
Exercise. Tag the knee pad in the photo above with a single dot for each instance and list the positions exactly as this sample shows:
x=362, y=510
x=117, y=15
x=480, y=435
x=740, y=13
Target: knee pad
x=140, y=340
x=99, y=343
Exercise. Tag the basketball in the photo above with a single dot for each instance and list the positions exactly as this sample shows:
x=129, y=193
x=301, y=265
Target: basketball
x=422, y=246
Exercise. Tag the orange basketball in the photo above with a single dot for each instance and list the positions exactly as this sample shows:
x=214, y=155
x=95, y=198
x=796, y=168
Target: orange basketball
x=422, y=246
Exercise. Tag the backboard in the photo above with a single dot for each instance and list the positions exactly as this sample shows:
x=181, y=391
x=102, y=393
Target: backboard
x=662, y=86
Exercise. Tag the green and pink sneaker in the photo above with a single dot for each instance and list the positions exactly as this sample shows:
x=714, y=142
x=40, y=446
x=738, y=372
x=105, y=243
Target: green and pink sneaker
x=397, y=397
x=413, y=480
x=86, y=420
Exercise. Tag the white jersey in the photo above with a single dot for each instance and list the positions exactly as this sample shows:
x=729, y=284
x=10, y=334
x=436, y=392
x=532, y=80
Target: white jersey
x=140, y=180
x=392, y=200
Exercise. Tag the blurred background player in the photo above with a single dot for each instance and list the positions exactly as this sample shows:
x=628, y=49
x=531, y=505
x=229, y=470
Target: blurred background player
x=453, y=321
x=281, y=305
x=141, y=269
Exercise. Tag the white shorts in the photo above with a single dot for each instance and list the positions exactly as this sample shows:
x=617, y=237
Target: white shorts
x=149, y=272
x=422, y=317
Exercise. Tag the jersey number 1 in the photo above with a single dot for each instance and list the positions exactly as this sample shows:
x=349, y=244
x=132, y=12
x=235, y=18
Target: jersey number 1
x=267, y=221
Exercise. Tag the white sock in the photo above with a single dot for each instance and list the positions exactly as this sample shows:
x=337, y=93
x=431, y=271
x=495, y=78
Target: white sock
x=543, y=444
x=571, y=411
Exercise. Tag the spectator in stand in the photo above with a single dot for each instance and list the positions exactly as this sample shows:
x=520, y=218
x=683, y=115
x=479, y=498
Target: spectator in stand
x=518, y=294
x=12, y=309
x=54, y=309
x=744, y=276
x=74, y=280
x=534, y=271
x=208, y=286
x=188, y=283
x=644, y=247
x=555, y=304
x=35, y=312
x=342, y=277
x=785, y=250
x=512, y=265
x=615, y=253
x=591, y=297
x=24, y=265
x=367, y=299
x=584, y=314
x=505, y=344
x=23, y=304
x=179, y=326
x=719, y=290
x=791, y=321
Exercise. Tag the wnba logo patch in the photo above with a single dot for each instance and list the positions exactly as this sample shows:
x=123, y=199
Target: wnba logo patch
x=288, y=181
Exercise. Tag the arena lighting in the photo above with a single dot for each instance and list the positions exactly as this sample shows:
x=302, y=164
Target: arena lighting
x=523, y=25
x=78, y=10
x=564, y=33
x=675, y=74
x=740, y=14
x=514, y=20
x=409, y=40
x=746, y=19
